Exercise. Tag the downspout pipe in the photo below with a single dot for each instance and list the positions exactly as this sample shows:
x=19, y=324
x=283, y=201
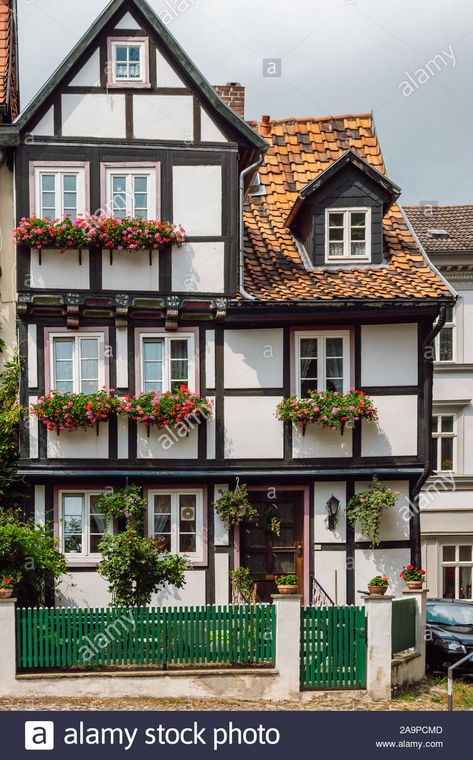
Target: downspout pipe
x=415, y=531
x=241, y=259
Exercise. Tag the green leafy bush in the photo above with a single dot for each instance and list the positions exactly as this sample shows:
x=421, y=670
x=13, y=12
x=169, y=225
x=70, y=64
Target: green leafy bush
x=10, y=412
x=365, y=509
x=136, y=567
x=243, y=586
x=235, y=506
x=286, y=580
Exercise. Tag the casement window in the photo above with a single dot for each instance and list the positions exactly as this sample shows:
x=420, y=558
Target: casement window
x=77, y=363
x=59, y=191
x=347, y=234
x=167, y=362
x=82, y=525
x=457, y=564
x=445, y=340
x=176, y=520
x=443, y=442
x=128, y=64
x=131, y=192
x=323, y=362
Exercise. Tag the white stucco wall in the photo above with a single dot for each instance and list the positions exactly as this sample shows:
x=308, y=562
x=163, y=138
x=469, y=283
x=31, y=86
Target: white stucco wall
x=93, y=114
x=197, y=199
x=33, y=428
x=322, y=493
x=89, y=74
x=395, y=432
x=253, y=358
x=330, y=571
x=162, y=445
x=130, y=271
x=165, y=74
x=222, y=583
x=163, y=117
x=199, y=268
x=211, y=431
x=79, y=444
x=209, y=131
x=59, y=270
x=390, y=562
x=320, y=442
x=251, y=429
x=45, y=127
x=389, y=354
x=393, y=526
x=122, y=357
x=210, y=358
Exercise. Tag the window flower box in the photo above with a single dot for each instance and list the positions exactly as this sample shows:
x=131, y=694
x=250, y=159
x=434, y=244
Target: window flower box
x=330, y=409
x=73, y=411
x=175, y=408
x=128, y=234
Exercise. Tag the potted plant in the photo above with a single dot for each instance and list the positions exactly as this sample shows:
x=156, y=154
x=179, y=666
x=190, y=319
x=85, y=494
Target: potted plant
x=287, y=584
x=378, y=585
x=7, y=584
x=413, y=576
x=126, y=505
x=365, y=509
x=235, y=506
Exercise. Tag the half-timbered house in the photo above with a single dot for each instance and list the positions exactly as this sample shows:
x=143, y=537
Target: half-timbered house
x=298, y=272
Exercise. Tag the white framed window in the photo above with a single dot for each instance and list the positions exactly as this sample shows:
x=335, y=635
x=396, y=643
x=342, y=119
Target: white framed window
x=443, y=442
x=128, y=62
x=131, y=192
x=77, y=362
x=175, y=517
x=60, y=191
x=457, y=568
x=348, y=234
x=444, y=346
x=167, y=362
x=82, y=525
x=323, y=362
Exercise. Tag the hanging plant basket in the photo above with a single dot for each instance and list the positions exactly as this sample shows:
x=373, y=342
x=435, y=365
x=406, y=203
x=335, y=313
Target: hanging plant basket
x=329, y=409
x=73, y=411
x=233, y=507
x=364, y=510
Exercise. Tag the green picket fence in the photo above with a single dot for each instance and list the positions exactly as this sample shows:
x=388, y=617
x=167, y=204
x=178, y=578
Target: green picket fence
x=333, y=648
x=71, y=637
x=403, y=627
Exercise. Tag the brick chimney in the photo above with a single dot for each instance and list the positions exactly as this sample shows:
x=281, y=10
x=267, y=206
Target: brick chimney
x=264, y=126
x=233, y=95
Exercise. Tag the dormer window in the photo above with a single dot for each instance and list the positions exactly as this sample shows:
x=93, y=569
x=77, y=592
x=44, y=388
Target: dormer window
x=128, y=62
x=347, y=236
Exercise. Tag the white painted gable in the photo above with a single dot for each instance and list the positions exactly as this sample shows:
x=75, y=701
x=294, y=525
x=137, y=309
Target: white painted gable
x=94, y=115
x=165, y=74
x=209, y=130
x=45, y=127
x=163, y=117
x=89, y=75
x=127, y=22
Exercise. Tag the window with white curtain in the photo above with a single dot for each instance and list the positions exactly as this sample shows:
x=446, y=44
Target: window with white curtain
x=175, y=518
x=82, y=525
x=323, y=362
x=77, y=363
x=167, y=362
x=348, y=234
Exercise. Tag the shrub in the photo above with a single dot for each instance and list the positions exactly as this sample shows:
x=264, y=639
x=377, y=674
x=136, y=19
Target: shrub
x=10, y=412
x=136, y=567
x=30, y=553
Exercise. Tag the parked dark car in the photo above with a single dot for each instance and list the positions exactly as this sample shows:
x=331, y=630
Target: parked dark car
x=449, y=634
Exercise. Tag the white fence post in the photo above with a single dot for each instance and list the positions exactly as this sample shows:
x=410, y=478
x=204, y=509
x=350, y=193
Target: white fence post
x=288, y=637
x=7, y=646
x=420, y=595
x=379, y=657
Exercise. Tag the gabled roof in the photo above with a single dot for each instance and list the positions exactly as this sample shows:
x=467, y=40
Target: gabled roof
x=430, y=224
x=8, y=77
x=347, y=158
x=299, y=151
x=143, y=10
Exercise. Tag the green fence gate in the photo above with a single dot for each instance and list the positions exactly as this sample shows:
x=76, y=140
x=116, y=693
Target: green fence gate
x=333, y=648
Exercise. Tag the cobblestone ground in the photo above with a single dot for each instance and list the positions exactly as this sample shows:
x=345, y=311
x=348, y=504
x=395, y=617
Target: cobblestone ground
x=429, y=696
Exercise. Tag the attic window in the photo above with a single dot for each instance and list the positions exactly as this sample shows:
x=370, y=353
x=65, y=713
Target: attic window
x=348, y=234
x=434, y=233
x=128, y=62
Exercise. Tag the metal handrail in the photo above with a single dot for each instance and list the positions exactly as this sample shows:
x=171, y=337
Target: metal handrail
x=450, y=678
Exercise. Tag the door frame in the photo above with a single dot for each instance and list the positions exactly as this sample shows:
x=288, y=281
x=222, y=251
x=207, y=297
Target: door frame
x=305, y=490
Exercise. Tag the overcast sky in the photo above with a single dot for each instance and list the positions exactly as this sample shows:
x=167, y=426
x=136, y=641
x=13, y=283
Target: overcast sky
x=337, y=56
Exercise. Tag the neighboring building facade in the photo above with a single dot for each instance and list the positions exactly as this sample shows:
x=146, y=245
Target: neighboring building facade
x=329, y=291
x=446, y=234
x=8, y=112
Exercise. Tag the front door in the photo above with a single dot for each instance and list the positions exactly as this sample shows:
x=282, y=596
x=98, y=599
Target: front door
x=264, y=552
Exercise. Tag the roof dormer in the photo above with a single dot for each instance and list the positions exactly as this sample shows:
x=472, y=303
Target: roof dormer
x=338, y=215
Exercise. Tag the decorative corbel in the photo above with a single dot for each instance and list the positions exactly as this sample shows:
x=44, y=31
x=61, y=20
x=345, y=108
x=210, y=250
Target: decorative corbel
x=121, y=311
x=72, y=310
x=172, y=313
x=24, y=300
x=221, y=305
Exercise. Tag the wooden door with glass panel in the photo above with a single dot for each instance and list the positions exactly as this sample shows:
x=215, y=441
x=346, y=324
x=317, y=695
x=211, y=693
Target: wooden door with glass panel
x=267, y=554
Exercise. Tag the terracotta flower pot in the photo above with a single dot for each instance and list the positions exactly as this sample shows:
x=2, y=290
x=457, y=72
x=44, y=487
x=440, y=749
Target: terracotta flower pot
x=377, y=590
x=5, y=593
x=414, y=584
x=287, y=590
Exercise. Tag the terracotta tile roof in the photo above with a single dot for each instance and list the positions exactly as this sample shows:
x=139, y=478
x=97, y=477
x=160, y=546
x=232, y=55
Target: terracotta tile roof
x=7, y=59
x=299, y=150
x=456, y=221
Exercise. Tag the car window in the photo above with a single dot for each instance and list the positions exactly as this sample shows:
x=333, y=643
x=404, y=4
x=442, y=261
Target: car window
x=450, y=614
